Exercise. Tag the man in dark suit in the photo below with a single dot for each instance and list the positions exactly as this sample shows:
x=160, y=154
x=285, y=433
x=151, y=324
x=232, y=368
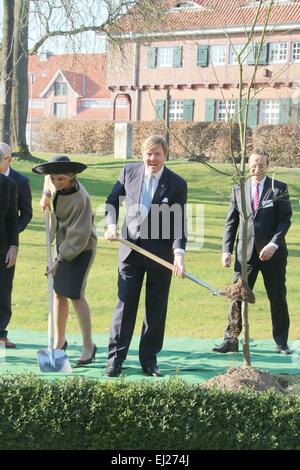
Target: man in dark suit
x=8, y=248
x=155, y=199
x=24, y=216
x=269, y=218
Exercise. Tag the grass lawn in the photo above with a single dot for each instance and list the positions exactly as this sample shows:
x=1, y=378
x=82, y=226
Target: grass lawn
x=193, y=310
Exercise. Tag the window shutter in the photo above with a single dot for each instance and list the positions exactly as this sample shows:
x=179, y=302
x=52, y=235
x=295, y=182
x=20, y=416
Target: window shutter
x=252, y=113
x=284, y=110
x=151, y=57
x=262, y=59
x=177, y=56
x=188, y=110
x=295, y=108
x=202, y=56
x=250, y=59
x=160, y=109
x=209, y=110
x=243, y=109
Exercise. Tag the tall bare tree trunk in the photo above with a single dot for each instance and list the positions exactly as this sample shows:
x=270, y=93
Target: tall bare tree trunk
x=20, y=89
x=6, y=69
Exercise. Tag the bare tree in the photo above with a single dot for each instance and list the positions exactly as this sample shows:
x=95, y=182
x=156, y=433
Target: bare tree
x=20, y=88
x=51, y=18
x=6, y=69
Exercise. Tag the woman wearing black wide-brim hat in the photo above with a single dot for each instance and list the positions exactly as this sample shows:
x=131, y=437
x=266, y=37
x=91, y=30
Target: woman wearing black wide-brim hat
x=76, y=240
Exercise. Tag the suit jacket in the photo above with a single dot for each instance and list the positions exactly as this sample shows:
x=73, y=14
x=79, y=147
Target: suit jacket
x=269, y=224
x=163, y=229
x=24, y=199
x=8, y=214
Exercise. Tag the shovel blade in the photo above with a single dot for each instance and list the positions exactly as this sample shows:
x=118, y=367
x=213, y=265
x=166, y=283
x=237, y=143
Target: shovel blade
x=59, y=362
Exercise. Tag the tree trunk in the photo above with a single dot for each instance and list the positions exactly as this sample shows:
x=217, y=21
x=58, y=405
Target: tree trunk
x=20, y=90
x=6, y=70
x=244, y=231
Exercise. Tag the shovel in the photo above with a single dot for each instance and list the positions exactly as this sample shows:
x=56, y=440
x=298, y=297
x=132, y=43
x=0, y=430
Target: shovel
x=170, y=266
x=51, y=360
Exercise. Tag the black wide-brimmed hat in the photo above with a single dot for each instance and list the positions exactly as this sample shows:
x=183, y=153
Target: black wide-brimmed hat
x=59, y=165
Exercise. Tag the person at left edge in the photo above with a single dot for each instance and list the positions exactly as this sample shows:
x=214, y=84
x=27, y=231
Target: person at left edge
x=24, y=208
x=76, y=242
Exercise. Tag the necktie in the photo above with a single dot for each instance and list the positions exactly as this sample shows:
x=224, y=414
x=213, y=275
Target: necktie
x=147, y=196
x=255, y=201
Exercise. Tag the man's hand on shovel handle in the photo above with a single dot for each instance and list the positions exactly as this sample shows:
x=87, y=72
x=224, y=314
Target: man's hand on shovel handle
x=111, y=233
x=179, y=268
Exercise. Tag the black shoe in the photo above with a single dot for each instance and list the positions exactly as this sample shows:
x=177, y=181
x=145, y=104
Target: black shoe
x=227, y=346
x=113, y=370
x=153, y=371
x=64, y=348
x=84, y=362
x=285, y=350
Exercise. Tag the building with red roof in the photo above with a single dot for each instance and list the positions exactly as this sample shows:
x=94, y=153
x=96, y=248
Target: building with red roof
x=185, y=62
x=69, y=86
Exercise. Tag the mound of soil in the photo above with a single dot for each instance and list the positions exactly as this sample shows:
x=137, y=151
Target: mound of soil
x=241, y=378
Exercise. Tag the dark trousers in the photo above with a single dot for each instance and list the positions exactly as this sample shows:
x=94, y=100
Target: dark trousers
x=273, y=272
x=130, y=280
x=6, y=283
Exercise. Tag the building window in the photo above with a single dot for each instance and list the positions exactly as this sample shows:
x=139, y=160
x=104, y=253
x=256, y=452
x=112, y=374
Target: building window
x=60, y=89
x=36, y=103
x=187, y=6
x=269, y=111
x=278, y=52
x=95, y=104
x=235, y=49
x=296, y=51
x=217, y=55
x=60, y=110
x=176, y=110
x=164, y=56
x=225, y=110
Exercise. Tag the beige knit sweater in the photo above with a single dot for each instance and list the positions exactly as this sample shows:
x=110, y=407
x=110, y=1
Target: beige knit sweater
x=72, y=224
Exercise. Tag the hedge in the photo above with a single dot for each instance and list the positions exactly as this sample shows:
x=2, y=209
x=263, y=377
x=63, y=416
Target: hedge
x=80, y=413
x=187, y=139
x=281, y=141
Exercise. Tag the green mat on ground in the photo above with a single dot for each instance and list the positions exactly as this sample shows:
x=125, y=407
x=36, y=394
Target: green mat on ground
x=187, y=358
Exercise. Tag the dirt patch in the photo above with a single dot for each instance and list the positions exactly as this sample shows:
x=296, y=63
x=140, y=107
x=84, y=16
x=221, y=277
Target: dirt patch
x=239, y=291
x=241, y=378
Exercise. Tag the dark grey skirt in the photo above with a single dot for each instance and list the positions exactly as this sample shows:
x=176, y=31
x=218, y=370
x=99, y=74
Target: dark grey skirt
x=71, y=276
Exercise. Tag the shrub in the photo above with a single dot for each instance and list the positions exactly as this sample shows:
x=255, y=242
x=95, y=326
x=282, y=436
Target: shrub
x=188, y=140
x=79, y=413
x=281, y=141
x=67, y=136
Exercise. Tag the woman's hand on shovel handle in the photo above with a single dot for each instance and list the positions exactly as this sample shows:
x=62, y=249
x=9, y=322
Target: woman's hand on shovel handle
x=179, y=268
x=53, y=268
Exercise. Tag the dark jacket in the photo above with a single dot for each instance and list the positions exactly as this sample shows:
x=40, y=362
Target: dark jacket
x=164, y=229
x=269, y=224
x=24, y=199
x=8, y=214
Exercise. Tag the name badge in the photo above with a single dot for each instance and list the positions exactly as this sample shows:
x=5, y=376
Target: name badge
x=267, y=203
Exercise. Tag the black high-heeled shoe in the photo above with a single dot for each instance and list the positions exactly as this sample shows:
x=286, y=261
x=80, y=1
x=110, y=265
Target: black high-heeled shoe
x=64, y=347
x=84, y=362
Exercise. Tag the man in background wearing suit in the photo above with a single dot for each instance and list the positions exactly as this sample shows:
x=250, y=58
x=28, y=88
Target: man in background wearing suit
x=269, y=219
x=8, y=248
x=155, y=199
x=24, y=208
